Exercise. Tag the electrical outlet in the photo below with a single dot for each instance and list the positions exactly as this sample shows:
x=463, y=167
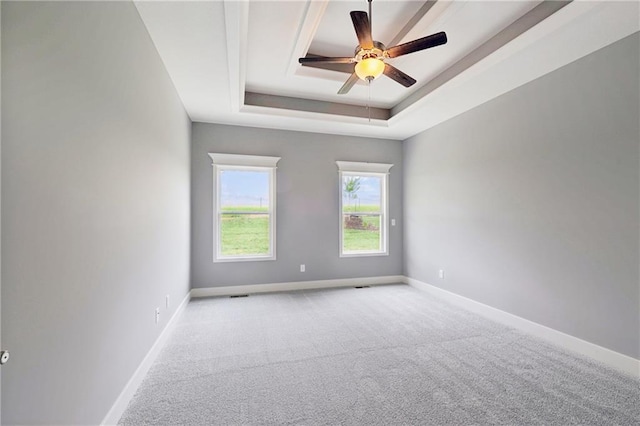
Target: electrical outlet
x=393, y=222
x=167, y=301
x=441, y=274
x=157, y=315
x=302, y=268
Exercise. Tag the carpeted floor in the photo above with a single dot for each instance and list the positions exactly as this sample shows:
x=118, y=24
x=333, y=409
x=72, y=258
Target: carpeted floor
x=373, y=356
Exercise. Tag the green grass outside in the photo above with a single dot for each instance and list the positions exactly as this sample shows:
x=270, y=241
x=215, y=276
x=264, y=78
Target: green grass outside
x=248, y=234
x=354, y=207
x=248, y=209
x=245, y=234
x=361, y=240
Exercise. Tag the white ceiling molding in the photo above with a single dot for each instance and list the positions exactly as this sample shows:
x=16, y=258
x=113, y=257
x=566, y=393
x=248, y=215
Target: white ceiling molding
x=310, y=105
x=307, y=29
x=426, y=7
x=436, y=18
x=338, y=121
x=520, y=26
x=236, y=19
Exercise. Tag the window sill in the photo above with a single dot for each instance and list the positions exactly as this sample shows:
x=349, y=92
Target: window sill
x=364, y=254
x=243, y=259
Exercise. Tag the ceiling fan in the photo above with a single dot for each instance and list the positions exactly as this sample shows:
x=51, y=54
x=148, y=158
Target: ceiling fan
x=369, y=60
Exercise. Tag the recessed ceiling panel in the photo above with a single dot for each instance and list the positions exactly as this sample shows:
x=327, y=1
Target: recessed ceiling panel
x=336, y=36
x=236, y=62
x=467, y=24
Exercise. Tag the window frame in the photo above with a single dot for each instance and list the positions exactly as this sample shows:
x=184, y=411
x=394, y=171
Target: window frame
x=222, y=162
x=352, y=168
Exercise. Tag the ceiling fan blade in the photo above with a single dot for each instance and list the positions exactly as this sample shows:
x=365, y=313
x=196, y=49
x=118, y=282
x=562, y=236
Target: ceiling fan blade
x=417, y=45
x=363, y=28
x=326, y=60
x=345, y=68
x=397, y=75
x=351, y=81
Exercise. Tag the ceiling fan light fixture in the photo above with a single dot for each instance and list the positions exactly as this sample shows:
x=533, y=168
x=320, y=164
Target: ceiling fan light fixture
x=369, y=68
x=370, y=55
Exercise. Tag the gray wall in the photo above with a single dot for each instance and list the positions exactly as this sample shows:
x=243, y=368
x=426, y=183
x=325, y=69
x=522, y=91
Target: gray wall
x=95, y=205
x=307, y=205
x=0, y=210
x=530, y=202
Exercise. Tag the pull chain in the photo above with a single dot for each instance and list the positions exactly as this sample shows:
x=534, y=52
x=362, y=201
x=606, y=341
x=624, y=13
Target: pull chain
x=369, y=79
x=369, y=98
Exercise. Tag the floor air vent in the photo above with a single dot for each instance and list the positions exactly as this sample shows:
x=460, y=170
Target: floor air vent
x=238, y=295
x=362, y=286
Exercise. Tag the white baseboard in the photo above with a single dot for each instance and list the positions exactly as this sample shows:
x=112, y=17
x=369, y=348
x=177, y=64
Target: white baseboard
x=618, y=361
x=118, y=408
x=289, y=286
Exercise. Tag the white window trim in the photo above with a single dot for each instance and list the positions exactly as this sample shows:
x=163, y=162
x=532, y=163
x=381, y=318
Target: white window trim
x=366, y=169
x=244, y=162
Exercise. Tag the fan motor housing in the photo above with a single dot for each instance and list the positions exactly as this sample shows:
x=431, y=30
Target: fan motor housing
x=376, y=52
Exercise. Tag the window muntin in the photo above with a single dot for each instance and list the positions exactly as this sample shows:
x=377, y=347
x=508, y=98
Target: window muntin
x=363, y=208
x=244, y=207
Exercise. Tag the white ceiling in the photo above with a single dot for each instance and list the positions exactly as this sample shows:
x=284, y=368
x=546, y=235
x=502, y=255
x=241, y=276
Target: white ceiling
x=236, y=62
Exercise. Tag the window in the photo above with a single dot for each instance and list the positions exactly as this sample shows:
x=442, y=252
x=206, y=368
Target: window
x=363, y=208
x=244, y=207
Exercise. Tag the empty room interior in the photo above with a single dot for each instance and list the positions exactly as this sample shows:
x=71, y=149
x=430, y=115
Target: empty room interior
x=320, y=212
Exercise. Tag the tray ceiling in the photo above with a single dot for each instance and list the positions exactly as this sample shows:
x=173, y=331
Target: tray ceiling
x=236, y=61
